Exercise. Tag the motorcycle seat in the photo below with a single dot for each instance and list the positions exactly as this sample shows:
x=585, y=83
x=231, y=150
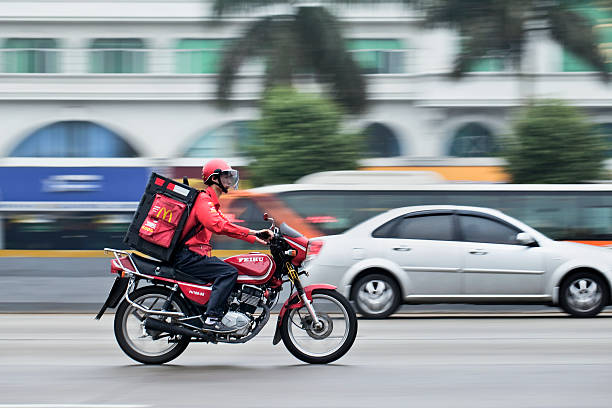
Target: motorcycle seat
x=164, y=270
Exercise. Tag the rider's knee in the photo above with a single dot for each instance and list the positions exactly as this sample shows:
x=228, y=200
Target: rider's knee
x=233, y=272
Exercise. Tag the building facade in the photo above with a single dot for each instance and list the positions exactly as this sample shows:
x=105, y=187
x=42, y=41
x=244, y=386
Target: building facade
x=124, y=81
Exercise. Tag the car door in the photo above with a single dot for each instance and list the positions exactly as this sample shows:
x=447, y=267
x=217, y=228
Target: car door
x=424, y=246
x=494, y=262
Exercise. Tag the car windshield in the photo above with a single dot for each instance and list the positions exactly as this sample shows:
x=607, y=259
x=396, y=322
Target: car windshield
x=288, y=231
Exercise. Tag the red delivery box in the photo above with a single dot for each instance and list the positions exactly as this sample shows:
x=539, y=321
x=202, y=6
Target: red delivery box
x=160, y=218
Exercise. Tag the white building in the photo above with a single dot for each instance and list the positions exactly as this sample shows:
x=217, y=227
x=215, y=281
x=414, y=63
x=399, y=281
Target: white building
x=138, y=75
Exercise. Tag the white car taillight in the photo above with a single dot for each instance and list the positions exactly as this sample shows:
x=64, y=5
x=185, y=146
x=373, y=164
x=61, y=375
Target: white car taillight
x=313, y=249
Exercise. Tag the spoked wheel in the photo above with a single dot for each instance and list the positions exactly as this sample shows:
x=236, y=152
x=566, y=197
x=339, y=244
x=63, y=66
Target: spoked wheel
x=324, y=343
x=139, y=343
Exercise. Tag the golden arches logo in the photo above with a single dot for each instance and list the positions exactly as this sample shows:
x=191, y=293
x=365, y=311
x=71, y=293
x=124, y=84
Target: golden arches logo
x=166, y=213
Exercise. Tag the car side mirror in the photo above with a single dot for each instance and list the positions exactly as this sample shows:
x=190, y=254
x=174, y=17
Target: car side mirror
x=524, y=238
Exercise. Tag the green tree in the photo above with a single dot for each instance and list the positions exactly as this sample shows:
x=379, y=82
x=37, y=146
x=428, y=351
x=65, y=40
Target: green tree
x=554, y=143
x=300, y=134
x=500, y=28
x=309, y=40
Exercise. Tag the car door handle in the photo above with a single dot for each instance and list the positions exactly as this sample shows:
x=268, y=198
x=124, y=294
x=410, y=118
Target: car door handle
x=478, y=252
x=404, y=249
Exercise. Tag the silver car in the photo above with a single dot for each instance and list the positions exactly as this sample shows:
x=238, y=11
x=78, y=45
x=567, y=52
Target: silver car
x=454, y=254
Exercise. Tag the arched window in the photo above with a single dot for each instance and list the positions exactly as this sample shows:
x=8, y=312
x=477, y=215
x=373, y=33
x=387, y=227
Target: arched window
x=73, y=139
x=473, y=140
x=381, y=141
x=228, y=140
x=605, y=129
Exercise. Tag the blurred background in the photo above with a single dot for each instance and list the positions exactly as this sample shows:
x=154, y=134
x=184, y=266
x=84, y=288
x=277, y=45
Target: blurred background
x=441, y=102
x=333, y=111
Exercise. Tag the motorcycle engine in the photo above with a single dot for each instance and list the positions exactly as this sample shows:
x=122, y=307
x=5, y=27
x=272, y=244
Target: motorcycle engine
x=249, y=298
x=237, y=319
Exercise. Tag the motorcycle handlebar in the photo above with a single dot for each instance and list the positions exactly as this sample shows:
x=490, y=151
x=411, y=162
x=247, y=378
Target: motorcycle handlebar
x=265, y=235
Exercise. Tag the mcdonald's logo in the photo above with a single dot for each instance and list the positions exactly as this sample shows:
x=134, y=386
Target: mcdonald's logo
x=166, y=213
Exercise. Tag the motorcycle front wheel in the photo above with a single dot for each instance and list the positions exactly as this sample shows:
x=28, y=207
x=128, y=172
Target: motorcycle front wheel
x=139, y=343
x=327, y=342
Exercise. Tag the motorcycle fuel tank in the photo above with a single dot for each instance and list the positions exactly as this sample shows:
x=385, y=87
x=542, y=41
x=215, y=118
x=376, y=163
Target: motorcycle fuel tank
x=254, y=267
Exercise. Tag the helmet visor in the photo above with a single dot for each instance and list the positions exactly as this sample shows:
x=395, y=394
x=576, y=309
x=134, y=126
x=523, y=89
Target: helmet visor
x=230, y=178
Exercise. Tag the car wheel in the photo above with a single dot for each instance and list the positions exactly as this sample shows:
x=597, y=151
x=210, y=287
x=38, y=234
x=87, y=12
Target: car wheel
x=583, y=294
x=376, y=296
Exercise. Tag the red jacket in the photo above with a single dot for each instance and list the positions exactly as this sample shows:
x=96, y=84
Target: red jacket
x=206, y=212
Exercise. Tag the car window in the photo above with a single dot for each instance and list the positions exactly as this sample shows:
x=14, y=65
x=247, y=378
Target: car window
x=330, y=212
x=480, y=229
x=437, y=227
x=386, y=230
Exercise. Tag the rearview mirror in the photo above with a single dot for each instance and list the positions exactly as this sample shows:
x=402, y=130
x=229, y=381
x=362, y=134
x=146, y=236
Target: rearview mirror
x=524, y=238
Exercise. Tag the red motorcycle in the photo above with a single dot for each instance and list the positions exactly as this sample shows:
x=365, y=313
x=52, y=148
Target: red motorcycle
x=154, y=323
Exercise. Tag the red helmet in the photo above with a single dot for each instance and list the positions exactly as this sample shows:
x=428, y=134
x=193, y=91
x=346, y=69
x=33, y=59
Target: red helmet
x=220, y=168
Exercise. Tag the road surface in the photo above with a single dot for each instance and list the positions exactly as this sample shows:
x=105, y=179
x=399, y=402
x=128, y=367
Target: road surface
x=408, y=361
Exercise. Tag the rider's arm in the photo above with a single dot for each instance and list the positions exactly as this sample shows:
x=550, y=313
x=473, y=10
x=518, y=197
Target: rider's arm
x=213, y=220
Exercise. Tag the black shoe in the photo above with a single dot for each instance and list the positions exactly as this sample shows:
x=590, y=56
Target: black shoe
x=218, y=327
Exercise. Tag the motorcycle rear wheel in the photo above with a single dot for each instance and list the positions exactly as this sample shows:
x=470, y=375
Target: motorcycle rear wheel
x=136, y=341
x=330, y=342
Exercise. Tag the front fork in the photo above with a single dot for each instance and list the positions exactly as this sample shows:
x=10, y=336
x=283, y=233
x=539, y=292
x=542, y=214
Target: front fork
x=293, y=275
x=308, y=304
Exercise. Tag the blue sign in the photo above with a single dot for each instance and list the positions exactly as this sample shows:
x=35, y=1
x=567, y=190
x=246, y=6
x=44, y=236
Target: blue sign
x=73, y=183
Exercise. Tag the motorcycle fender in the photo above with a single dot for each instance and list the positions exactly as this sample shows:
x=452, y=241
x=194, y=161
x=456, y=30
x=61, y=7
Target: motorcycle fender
x=294, y=302
x=116, y=293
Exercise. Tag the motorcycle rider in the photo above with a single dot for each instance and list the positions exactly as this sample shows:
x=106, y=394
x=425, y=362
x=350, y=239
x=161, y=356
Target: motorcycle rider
x=194, y=257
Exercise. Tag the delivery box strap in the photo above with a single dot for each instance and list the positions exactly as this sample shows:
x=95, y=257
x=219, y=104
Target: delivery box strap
x=192, y=233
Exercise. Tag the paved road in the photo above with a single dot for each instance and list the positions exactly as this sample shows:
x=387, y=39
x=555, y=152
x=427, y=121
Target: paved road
x=548, y=361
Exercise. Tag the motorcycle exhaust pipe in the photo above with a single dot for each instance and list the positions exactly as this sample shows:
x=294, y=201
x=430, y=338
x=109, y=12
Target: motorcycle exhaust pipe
x=158, y=325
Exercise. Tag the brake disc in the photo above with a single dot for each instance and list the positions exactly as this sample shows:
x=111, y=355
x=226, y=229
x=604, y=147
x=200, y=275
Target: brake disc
x=327, y=326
